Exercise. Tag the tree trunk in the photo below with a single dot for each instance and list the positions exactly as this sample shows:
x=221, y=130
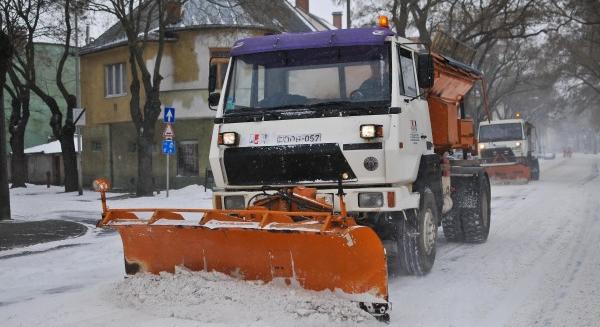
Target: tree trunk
x=18, y=122
x=400, y=16
x=145, y=185
x=5, y=59
x=145, y=182
x=67, y=145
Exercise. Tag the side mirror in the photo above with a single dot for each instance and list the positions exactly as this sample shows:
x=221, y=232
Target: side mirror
x=213, y=100
x=425, y=72
x=212, y=77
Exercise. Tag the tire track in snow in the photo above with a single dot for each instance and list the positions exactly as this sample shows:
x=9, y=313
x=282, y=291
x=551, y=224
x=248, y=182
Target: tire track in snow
x=494, y=283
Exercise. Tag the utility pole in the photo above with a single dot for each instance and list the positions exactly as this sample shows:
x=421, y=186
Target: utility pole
x=5, y=60
x=348, y=13
x=78, y=95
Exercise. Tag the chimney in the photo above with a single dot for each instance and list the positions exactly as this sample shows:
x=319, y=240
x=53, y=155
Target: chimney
x=303, y=5
x=337, y=19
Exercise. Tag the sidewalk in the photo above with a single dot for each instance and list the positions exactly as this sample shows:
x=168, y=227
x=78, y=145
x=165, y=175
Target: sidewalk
x=24, y=233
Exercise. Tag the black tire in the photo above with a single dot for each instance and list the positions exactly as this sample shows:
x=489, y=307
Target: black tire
x=469, y=219
x=452, y=225
x=476, y=220
x=417, y=237
x=535, y=169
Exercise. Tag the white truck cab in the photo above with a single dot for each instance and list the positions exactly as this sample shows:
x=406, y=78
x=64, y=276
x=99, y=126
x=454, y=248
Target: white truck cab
x=310, y=116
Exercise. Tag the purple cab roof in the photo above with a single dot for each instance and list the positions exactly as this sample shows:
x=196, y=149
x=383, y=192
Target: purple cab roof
x=294, y=41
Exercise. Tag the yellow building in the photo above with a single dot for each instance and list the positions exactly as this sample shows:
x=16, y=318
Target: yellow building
x=199, y=30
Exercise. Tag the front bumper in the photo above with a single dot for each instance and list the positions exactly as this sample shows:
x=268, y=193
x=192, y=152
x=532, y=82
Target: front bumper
x=403, y=198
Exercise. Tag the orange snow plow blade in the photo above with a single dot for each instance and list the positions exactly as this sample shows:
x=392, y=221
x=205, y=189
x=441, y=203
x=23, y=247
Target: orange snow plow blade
x=313, y=250
x=509, y=172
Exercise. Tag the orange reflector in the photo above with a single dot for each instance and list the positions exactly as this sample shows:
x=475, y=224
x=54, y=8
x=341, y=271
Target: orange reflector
x=384, y=21
x=391, y=198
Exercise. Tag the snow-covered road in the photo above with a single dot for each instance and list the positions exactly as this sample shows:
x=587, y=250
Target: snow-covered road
x=540, y=267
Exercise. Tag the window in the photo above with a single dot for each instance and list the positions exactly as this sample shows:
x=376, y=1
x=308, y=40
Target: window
x=114, y=80
x=96, y=146
x=408, y=85
x=500, y=132
x=187, y=158
x=220, y=60
x=347, y=77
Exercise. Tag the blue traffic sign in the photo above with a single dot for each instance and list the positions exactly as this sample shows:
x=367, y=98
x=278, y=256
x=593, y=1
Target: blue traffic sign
x=168, y=147
x=169, y=116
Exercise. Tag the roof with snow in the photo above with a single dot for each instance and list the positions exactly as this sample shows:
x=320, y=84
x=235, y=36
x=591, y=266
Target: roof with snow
x=48, y=148
x=274, y=16
x=324, y=39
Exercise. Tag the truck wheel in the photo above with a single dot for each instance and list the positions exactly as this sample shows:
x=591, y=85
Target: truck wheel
x=418, y=236
x=452, y=225
x=535, y=170
x=476, y=219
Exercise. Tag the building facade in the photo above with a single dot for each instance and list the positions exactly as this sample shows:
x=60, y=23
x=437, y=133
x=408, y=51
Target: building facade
x=200, y=31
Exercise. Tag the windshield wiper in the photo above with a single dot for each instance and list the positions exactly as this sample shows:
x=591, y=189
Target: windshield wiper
x=330, y=103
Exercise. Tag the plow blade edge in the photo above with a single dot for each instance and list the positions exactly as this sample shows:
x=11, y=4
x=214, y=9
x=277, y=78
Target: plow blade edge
x=512, y=172
x=351, y=260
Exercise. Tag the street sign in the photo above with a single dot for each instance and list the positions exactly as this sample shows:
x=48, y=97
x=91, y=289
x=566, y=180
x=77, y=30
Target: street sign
x=169, y=133
x=79, y=116
x=169, y=115
x=168, y=147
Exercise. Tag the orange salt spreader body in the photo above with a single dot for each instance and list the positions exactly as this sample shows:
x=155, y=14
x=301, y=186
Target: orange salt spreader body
x=315, y=250
x=452, y=82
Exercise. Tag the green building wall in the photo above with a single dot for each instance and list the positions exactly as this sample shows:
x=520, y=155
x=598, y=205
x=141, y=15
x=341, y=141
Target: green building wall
x=47, y=56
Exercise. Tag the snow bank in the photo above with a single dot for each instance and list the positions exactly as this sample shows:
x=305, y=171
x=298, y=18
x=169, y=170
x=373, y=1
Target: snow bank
x=212, y=297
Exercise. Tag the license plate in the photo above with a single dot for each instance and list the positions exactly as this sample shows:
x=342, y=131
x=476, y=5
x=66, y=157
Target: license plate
x=299, y=138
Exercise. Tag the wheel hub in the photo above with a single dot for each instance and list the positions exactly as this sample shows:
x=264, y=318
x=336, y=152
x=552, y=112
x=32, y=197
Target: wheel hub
x=429, y=232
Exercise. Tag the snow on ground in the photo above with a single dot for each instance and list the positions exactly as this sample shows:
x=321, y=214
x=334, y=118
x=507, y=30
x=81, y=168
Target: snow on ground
x=540, y=267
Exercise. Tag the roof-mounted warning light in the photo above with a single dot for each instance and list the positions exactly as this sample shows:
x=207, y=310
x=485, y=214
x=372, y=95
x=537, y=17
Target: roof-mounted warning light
x=517, y=115
x=383, y=21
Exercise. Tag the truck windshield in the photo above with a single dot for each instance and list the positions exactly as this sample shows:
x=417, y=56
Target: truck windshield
x=342, y=77
x=500, y=132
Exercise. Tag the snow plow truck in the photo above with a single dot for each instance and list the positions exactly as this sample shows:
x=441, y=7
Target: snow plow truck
x=330, y=156
x=506, y=150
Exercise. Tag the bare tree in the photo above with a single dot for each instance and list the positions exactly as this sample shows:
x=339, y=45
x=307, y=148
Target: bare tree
x=19, y=117
x=28, y=23
x=20, y=96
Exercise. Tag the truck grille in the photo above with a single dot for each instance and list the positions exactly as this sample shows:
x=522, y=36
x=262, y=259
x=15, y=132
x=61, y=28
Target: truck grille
x=290, y=164
x=497, y=155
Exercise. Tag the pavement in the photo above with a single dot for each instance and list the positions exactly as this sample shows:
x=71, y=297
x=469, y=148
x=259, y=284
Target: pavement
x=14, y=233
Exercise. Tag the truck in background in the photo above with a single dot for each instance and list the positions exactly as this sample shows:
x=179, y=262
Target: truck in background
x=507, y=149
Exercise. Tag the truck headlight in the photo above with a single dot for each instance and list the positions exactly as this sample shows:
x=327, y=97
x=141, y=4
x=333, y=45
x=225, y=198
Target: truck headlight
x=235, y=202
x=481, y=146
x=370, y=200
x=371, y=131
x=228, y=138
x=518, y=144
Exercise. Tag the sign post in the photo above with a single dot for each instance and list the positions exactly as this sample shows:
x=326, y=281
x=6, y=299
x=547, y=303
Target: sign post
x=168, y=143
x=79, y=114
